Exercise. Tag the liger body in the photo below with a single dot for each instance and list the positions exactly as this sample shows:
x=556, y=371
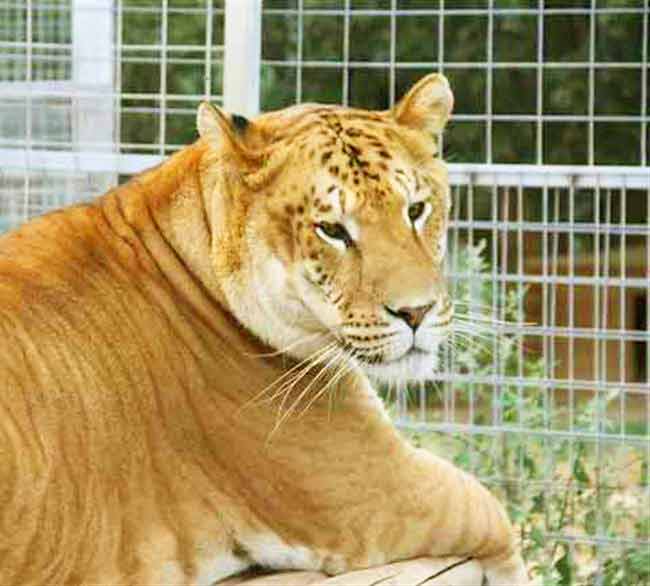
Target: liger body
x=169, y=354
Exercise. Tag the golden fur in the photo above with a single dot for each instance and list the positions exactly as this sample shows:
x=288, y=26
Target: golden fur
x=148, y=351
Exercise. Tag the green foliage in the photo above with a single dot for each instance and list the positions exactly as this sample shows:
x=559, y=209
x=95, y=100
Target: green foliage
x=557, y=487
x=565, y=90
x=635, y=571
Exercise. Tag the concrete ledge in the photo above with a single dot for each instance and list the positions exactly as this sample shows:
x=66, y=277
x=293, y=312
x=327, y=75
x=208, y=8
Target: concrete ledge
x=419, y=572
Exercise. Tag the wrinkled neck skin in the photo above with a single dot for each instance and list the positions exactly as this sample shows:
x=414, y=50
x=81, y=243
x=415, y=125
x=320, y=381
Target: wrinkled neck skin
x=222, y=261
x=262, y=291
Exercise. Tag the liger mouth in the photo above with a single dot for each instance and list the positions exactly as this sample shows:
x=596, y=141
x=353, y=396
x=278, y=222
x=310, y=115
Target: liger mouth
x=379, y=359
x=412, y=351
x=365, y=356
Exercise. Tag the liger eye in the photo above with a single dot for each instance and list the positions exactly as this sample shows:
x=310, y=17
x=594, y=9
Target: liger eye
x=416, y=210
x=335, y=231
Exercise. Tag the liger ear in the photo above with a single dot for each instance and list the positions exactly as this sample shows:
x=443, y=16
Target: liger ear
x=242, y=142
x=427, y=106
x=220, y=129
x=212, y=124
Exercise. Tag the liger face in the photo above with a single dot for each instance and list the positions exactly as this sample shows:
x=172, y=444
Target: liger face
x=330, y=229
x=365, y=212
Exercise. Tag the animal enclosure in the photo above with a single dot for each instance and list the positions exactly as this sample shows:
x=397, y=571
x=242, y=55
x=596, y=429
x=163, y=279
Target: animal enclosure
x=545, y=391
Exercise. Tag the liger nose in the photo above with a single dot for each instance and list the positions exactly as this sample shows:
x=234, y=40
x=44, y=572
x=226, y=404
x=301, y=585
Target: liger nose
x=413, y=316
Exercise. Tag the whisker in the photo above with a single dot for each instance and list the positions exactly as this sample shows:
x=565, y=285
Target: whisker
x=287, y=374
x=284, y=350
x=488, y=307
x=467, y=339
x=472, y=304
x=347, y=364
x=489, y=339
x=284, y=416
x=474, y=332
x=342, y=369
x=288, y=387
x=485, y=312
x=476, y=317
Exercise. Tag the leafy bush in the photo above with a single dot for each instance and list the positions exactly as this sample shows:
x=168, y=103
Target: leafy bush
x=578, y=502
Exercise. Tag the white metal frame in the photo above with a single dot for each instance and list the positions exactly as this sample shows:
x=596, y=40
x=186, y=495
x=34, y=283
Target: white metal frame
x=577, y=176
x=243, y=50
x=91, y=86
x=95, y=96
x=93, y=57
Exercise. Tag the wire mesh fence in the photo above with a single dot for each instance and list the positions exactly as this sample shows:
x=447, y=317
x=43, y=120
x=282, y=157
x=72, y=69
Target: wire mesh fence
x=549, y=399
x=95, y=78
x=366, y=53
x=545, y=391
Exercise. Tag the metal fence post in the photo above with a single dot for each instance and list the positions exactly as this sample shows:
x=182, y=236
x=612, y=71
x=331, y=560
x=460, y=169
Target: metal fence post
x=93, y=69
x=242, y=55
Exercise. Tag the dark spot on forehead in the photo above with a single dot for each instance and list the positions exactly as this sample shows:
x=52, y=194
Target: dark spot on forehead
x=384, y=154
x=334, y=169
x=355, y=149
x=326, y=157
x=300, y=209
x=240, y=123
x=331, y=188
